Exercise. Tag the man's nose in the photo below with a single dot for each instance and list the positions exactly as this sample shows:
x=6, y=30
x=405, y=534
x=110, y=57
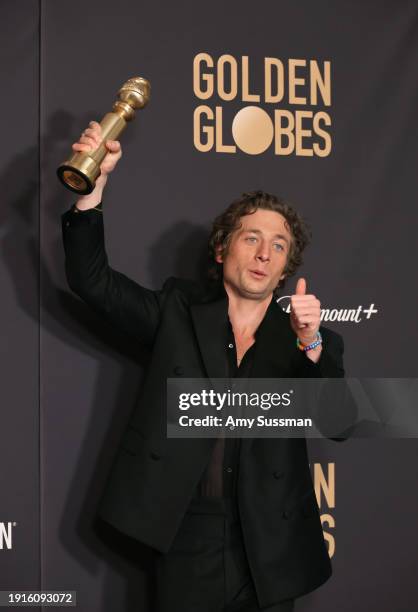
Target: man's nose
x=263, y=253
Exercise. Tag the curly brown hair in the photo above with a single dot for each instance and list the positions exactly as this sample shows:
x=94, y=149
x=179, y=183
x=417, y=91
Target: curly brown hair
x=228, y=222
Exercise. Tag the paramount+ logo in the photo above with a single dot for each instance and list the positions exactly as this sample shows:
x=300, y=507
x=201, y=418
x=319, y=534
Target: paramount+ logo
x=256, y=106
x=345, y=315
x=6, y=535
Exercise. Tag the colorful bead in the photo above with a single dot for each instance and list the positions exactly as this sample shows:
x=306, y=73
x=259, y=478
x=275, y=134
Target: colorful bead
x=308, y=347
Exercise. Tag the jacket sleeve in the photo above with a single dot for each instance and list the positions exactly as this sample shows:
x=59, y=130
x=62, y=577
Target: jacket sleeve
x=120, y=300
x=336, y=409
x=330, y=363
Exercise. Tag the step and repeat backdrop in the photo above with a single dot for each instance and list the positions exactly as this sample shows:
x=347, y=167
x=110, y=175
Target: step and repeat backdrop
x=315, y=101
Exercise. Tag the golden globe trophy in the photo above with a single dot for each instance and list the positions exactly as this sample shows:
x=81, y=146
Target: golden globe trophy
x=80, y=171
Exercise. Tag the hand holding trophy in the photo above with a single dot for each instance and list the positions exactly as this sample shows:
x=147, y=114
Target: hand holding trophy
x=89, y=140
x=99, y=141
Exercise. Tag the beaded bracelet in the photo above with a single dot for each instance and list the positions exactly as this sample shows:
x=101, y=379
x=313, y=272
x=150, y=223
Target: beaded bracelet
x=308, y=347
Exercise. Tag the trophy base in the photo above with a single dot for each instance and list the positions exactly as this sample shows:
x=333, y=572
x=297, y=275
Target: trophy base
x=75, y=180
x=79, y=173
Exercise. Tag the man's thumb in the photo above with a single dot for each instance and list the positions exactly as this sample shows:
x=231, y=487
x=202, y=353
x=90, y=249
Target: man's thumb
x=301, y=286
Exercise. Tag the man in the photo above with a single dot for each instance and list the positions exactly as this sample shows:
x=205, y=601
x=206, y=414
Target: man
x=235, y=523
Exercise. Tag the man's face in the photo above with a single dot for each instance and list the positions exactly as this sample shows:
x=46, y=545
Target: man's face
x=257, y=254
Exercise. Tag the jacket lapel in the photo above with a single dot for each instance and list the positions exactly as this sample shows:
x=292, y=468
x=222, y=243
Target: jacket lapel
x=275, y=344
x=210, y=320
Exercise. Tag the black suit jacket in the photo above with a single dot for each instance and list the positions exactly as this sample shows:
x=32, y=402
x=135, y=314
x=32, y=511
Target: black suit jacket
x=153, y=477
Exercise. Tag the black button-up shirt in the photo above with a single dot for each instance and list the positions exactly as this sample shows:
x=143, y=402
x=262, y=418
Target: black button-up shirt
x=221, y=474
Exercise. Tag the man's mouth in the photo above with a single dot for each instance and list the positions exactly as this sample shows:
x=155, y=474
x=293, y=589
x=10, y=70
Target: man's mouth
x=258, y=273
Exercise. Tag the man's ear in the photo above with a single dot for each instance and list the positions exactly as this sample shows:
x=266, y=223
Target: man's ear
x=218, y=254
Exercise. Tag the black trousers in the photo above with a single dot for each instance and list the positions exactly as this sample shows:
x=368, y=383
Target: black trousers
x=206, y=569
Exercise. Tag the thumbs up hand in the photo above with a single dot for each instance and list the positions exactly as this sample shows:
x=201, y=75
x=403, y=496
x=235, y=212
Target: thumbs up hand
x=305, y=314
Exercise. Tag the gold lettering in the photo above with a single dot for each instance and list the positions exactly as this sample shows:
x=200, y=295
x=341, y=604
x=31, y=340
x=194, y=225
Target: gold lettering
x=325, y=485
x=321, y=82
x=328, y=537
x=294, y=81
x=300, y=133
x=199, y=59
x=281, y=130
x=198, y=130
x=220, y=147
x=246, y=95
x=227, y=59
x=327, y=138
x=269, y=63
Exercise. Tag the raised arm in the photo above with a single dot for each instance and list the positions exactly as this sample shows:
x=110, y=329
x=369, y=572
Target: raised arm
x=122, y=301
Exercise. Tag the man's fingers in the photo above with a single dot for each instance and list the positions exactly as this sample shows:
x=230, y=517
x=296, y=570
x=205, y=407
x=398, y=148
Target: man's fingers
x=90, y=141
x=95, y=128
x=307, y=319
x=113, y=145
x=93, y=134
x=79, y=146
x=303, y=299
x=307, y=300
x=308, y=312
x=297, y=316
x=93, y=131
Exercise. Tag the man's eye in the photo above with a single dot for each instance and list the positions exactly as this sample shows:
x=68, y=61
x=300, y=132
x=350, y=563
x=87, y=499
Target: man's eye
x=251, y=239
x=278, y=246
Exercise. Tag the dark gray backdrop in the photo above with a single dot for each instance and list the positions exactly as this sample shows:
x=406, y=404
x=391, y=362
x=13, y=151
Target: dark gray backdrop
x=70, y=382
